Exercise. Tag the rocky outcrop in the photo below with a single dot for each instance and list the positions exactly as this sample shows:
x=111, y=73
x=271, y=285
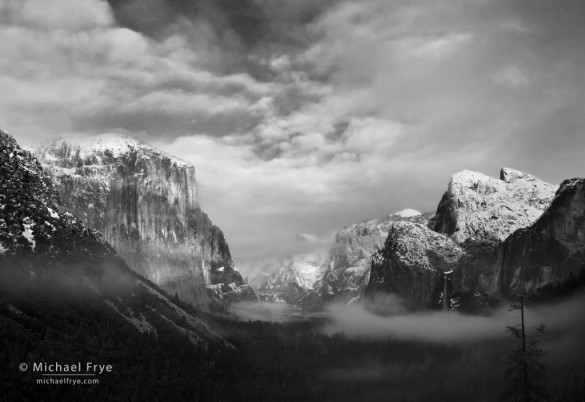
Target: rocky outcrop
x=348, y=269
x=144, y=202
x=50, y=257
x=412, y=263
x=552, y=250
x=478, y=207
x=295, y=277
x=477, y=214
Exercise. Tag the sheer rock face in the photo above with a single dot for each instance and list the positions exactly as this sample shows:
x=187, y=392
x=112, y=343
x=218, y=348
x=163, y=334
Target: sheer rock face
x=550, y=251
x=479, y=212
x=295, y=276
x=45, y=250
x=412, y=263
x=478, y=207
x=347, y=271
x=144, y=202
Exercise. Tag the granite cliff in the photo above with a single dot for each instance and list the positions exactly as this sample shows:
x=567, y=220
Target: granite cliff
x=144, y=202
x=552, y=250
x=479, y=213
x=54, y=267
x=348, y=271
x=412, y=263
x=496, y=237
x=479, y=207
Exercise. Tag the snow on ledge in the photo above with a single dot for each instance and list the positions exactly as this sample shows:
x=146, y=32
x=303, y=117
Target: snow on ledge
x=117, y=144
x=407, y=213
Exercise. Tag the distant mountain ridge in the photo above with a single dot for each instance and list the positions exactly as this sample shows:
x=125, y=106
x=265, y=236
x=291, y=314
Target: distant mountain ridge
x=490, y=238
x=340, y=273
x=144, y=201
x=293, y=278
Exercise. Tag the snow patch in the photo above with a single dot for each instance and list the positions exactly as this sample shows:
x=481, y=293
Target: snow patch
x=14, y=309
x=407, y=213
x=28, y=233
x=115, y=144
x=141, y=324
x=50, y=225
x=61, y=171
x=193, y=337
x=87, y=281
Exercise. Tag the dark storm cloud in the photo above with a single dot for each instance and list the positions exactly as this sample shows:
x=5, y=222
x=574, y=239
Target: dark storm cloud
x=237, y=30
x=245, y=18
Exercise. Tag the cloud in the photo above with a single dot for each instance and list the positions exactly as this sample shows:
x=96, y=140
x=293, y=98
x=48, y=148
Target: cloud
x=309, y=238
x=305, y=116
x=235, y=25
x=48, y=15
x=260, y=201
x=77, y=71
x=511, y=77
x=428, y=327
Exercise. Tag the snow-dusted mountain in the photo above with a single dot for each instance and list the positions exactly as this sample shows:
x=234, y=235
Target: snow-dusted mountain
x=50, y=261
x=479, y=207
x=496, y=237
x=480, y=212
x=339, y=273
x=144, y=202
x=293, y=277
x=348, y=269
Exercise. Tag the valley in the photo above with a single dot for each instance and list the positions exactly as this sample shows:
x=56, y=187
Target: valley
x=144, y=282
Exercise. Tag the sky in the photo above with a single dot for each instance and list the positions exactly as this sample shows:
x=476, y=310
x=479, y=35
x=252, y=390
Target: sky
x=302, y=116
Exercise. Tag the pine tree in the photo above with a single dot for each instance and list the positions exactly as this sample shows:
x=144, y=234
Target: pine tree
x=525, y=372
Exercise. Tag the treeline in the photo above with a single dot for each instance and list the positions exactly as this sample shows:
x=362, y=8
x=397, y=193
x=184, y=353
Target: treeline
x=274, y=362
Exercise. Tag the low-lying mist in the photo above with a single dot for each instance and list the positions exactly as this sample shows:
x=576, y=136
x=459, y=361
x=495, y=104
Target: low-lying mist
x=108, y=277
x=264, y=311
x=361, y=321
x=387, y=318
x=358, y=322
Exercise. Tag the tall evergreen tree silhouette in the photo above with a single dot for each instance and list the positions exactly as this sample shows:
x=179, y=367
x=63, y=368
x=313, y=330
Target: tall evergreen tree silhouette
x=525, y=372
